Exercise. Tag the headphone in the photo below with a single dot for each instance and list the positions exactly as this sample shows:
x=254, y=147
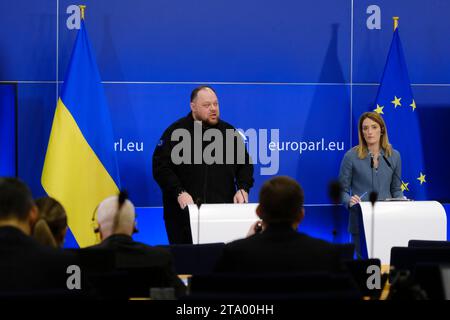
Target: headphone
x=123, y=196
x=95, y=225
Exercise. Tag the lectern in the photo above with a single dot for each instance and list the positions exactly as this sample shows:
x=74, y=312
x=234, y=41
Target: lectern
x=397, y=222
x=221, y=222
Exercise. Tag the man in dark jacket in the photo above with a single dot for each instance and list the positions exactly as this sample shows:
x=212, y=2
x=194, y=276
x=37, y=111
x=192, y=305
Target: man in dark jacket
x=209, y=165
x=278, y=247
x=26, y=267
x=116, y=224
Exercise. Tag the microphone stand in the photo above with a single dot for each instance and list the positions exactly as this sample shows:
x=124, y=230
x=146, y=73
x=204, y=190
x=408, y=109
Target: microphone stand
x=205, y=184
x=373, y=198
x=393, y=171
x=371, y=167
x=334, y=192
x=198, y=203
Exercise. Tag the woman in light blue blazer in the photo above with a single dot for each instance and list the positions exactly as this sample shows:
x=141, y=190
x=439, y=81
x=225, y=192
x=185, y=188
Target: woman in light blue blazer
x=372, y=165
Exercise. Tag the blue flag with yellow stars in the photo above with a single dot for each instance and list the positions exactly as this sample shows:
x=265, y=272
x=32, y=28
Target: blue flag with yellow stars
x=396, y=104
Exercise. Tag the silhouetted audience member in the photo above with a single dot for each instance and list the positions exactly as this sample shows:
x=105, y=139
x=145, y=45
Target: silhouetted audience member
x=116, y=224
x=276, y=246
x=51, y=227
x=25, y=265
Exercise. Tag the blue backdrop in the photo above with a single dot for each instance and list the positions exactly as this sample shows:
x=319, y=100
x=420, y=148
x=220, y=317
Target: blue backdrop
x=307, y=68
x=8, y=132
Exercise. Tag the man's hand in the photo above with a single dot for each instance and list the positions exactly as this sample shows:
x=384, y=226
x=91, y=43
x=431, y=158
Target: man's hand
x=255, y=228
x=241, y=196
x=184, y=199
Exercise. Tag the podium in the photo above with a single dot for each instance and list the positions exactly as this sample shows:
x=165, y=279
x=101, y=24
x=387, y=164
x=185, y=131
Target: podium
x=221, y=222
x=397, y=222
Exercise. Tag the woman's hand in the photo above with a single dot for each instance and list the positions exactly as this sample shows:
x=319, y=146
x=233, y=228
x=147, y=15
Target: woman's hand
x=354, y=200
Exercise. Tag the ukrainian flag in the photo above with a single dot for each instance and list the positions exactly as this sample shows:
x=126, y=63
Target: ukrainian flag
x=80, y=168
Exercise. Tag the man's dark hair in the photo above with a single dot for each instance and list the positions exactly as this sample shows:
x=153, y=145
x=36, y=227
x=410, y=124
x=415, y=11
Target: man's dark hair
x=16, y=200
x=195, y=92
x=280, y=200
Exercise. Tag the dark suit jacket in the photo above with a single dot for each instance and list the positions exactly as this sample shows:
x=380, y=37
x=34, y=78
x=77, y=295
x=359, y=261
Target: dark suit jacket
x=26, y=265
x=211, y=183
x=130, y=254
x=279, y=249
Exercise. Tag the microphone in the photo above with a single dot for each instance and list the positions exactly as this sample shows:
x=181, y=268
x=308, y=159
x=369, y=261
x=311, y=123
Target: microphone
x=198, y=202
x=334, y=192
x=122, y=197
x=387, y=161
x=373, y=197
x=393, y=171
x=371, y=167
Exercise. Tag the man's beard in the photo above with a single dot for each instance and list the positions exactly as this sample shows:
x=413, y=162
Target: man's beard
x=212, y=122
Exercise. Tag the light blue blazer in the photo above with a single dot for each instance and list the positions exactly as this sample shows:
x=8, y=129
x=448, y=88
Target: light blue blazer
x=355, y=176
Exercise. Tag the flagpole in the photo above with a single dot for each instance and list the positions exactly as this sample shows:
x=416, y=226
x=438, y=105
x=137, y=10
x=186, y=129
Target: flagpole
x=395, y=22
x=82, y=7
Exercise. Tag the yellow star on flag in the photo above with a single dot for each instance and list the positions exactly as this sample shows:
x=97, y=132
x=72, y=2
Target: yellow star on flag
x=379, y=109
x=396, y=102
x=422, y=178
x=413, y=105
x=404, y=186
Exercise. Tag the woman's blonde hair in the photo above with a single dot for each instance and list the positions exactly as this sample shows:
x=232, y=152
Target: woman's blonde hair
x=52, y=222
x=361, y=148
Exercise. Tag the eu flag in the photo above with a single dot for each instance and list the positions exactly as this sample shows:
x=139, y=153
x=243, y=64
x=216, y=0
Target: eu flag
x=80, y=168
x=395, y=102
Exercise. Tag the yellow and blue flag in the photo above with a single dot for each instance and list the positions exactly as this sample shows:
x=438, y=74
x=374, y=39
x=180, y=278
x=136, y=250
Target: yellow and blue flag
x=396, y=104
x=80, y=168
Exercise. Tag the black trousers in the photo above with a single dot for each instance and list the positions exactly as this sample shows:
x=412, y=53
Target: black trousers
x=357, y=242
x=178, y=227
x=354, y=221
